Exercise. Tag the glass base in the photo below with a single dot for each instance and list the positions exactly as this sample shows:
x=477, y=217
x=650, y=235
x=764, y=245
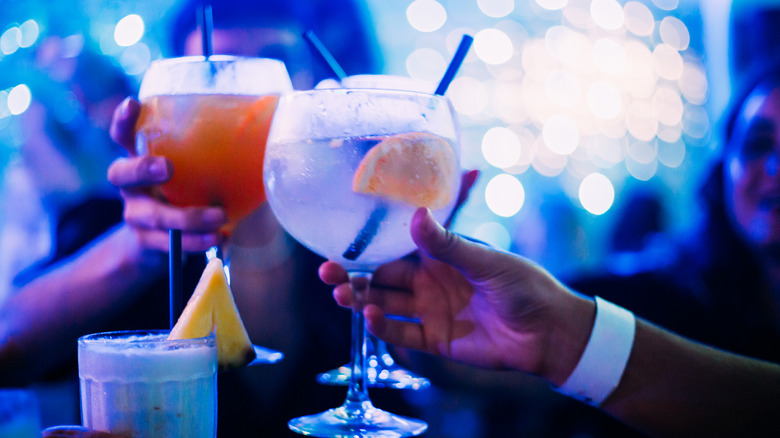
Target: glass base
x=377, y=377
x=364, y=421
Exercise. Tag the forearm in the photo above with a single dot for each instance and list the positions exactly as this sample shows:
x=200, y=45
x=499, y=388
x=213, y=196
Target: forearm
x=78, y=296
x=674, y=387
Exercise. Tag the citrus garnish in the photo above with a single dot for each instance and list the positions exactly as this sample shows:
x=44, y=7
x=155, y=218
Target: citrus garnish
x=418, y=168
x=211, y=307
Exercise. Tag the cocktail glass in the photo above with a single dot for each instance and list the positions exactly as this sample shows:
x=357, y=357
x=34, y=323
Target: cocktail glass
x=344, y=171
x=139, y=384
x=381, y=368
x=210, y=117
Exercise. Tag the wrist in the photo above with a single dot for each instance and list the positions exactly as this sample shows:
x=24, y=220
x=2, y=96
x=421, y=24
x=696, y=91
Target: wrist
x=603, y=361
x=571, y=328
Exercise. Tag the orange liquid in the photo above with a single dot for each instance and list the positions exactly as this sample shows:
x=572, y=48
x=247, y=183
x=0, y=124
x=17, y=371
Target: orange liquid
x=216, y=144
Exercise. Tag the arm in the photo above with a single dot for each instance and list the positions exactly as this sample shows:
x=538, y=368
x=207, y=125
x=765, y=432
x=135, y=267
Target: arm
x=40, y=323
x=676, y=387
x=496, y=310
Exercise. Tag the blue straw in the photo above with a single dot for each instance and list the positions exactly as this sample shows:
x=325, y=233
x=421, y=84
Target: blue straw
x=206, y=21
x=452, y=69
x=325, y=54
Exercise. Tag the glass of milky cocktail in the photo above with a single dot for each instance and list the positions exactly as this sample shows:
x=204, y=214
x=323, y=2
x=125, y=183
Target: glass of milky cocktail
x=210, y=117
x=344, y=171
x=138, y=384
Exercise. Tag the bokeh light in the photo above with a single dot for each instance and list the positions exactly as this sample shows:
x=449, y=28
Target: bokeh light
x=667, y=5
x=469, y=96
x=563, y=43
x=668, y=105
x=504, y=195
x=426, y=15
x=596, y=193
x=501, y=147
x=496, y=8
x=674, y=33
x=563, y=88
x=9, y=41
x=668, y=62
x=638, y=18
x=493, y=46
x=607, y=14
x=29, y=33
x=135, y=59
x=129, y=30
x=609, y=56
x=19, y=99
x=552, y=4
x=561, y=134
x=604, y=100
x=425, y=64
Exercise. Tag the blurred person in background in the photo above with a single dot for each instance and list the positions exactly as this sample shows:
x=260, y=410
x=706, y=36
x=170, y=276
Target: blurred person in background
x=55, y=201
x=721, y=285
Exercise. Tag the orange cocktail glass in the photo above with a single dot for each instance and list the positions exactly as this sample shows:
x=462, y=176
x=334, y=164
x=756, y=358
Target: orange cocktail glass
x=211, y=118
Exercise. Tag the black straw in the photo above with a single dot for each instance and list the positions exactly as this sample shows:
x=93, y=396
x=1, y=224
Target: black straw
x=206, y=21
x=325, y=54
x=366, y=233
x=452, y=69
x=176, y=295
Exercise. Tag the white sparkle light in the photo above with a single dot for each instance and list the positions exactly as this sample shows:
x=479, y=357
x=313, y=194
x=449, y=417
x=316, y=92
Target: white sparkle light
x=129, y=30
x=596, y=193
x=496, y=8
x=19, y=99
x=561, y=135
x=426, y=15
x=607, y=14
x=505, y=195
x=493, y=46
x=501, y=147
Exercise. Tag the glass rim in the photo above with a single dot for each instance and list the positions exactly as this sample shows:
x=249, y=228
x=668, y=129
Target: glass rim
x=199, y=59
x=117, y=337
x=365, y=90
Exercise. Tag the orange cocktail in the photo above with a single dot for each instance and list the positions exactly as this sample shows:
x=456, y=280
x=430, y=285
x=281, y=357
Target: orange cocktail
x=210, y=118
x=216, y=144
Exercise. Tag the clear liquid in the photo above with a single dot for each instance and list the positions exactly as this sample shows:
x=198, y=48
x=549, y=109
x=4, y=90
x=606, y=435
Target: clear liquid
x=309, y=188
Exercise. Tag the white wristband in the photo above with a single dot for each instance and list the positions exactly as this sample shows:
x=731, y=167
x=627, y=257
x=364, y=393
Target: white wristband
x=602, y=363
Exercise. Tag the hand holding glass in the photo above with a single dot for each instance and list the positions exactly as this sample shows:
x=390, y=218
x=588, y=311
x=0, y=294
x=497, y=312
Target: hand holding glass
x=210, y=118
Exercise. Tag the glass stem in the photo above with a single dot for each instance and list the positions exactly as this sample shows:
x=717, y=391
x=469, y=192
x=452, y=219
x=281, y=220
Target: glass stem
x=357, y=394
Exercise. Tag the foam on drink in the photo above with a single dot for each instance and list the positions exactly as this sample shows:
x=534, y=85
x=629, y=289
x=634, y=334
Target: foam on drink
x=142, y=385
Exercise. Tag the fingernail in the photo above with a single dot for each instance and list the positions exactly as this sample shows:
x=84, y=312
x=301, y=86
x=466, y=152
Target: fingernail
x=124, y=106
x=158, y=168
x=429, y=224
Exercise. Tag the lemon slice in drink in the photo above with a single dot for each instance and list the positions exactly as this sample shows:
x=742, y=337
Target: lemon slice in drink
x=212, y=308
x=418, y=168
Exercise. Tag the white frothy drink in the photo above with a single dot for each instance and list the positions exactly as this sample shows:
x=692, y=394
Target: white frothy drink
x=138, y=384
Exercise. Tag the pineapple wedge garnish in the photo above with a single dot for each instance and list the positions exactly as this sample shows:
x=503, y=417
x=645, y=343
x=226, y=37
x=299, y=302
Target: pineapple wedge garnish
x=212, y=308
